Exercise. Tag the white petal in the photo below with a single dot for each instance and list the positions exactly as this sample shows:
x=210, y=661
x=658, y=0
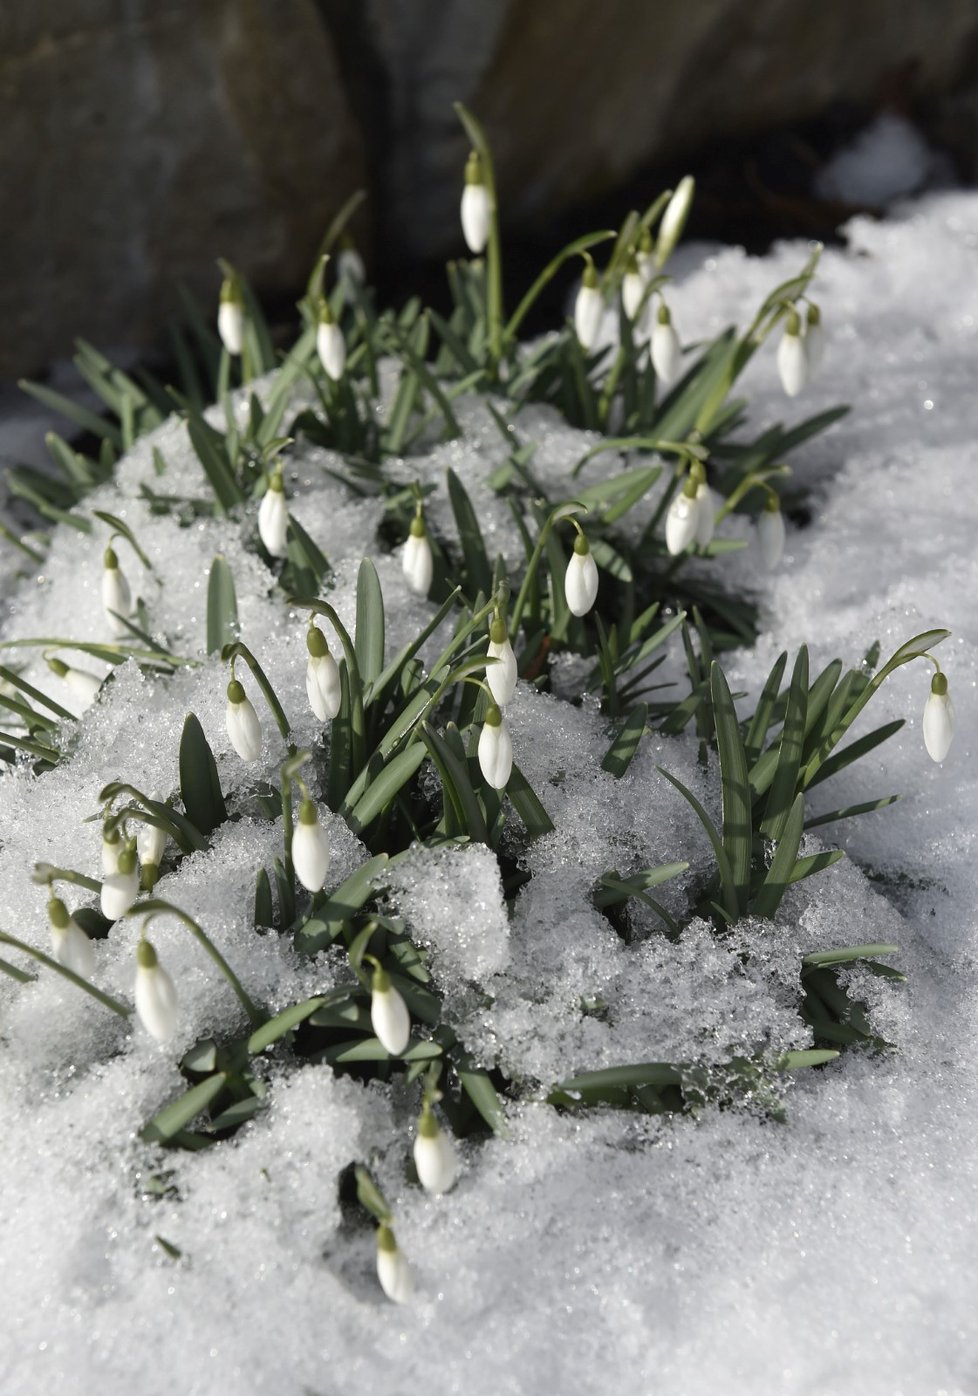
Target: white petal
x=682, y=523
x=116, y=598
x=310, y=855
x=83, y=686
x=667, y=354
x=588, y=314
x=230, y=326
x=331, y=347
x=496, y=754
x=244, y=729
x=150, y=844
x=792, y=363
x=323, y=686
x=707, y=504
x=349, y=265
x=119, y=891
x=581, y=583
x=770, y=536
x=156, y=1002
x=475, y=217
x=501, y=676
x=632, y=290
x=674, y=218
x=110, y=855
x=394, y=1274
x=73, y=949
x=390, y=1020
x=938, y=725
x=418, y=564
x=436, y=1160
x=273, y=522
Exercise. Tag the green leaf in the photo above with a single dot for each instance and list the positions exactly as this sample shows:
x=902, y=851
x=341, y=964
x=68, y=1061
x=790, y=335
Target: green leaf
x=814, y=863
x=478, y=570
x=482, y=1094
x=723, y=862
x=839, y=760
x=619, y=755
x=785, y=783
x=797, y=1061
x=456, y=787
x=179, y=1113
x=779, y=875
x=847, y=954
x=527, y=805
x=222, y=606
x=264, y=912
x=763, y=714
x=737, y=827
x=200, y=787
x=74, y=411
x=850, y=811
x=370, y=1196
x=369, y=642
x=592, y=1087
x=611, y=889
x=382, y=790
x=281, y=1024
x=340, y=906
x=211, y=450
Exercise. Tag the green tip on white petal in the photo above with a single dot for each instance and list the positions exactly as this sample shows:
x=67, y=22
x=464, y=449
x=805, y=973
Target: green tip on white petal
x=146, y=956
x=307, y=812
x=581, y=546
x=938, y=685
x=58, y=913
x=236, y=693
x=498, y=633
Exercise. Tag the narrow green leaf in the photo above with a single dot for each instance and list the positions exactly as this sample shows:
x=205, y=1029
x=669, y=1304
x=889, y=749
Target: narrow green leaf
x=763, y=713
x=797, y=1061
x=527, y=805
x=483, y=1096
x=281, y=1024
x=619, y=755
x=850, y=811
x=370, y=1196
x=384, y=787
x=779, y=874
x=264, y=914
x=737, y=827
x=814, y=863
x=211, y=450
x=477, y=567
x=179, y=1113
x=81, y=416
x=848, y=953
x=222, y=606
x=340, y=906
x=786, y=775
x=369, y=640
x=723, y=862
x=200, y=787
x=456, y=785
x=839, y=760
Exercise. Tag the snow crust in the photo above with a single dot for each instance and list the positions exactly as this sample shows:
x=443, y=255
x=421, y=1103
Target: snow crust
x=830, y=1253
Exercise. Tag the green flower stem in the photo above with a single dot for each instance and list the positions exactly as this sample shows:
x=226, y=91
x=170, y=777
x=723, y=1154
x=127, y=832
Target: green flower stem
x=562, y=511
x=236, y=650
x=17, y=542
x=753, y=480
x=106, y=999
x=156, y=907
x=494, y=261
x=47, y=873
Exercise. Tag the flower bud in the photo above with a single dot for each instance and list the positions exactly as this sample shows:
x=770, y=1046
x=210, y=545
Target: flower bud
x=82, y=685
x=393, y=1271
x=938, y=722
x=231, y=315
x=581, y=578
x=674, y=219
x=156, y=998
x=72, y=947
x=120, y=889
x=495, y=750
x=323, y=687
x=435, y=1157
x=792, y=359
x=588, y=309
x=112, y=846
x=501, y=676
x=116, y=593
x=349, y=263
x=770, y=533
x=310, y=848
x=330, y=344
x=273, y=517
x=150, y=845
x=666, y=351
x=243, y=726
x=683, y=519
x=645, y=257
x=417, y=562
x=632, y=288
x=476, y=211
x=389, y=1016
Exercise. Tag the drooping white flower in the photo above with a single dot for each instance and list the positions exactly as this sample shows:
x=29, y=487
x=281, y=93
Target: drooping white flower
x=243, y=726
x=120, y=889
x=72, y=947
x=393, y=1271
x=476, y=211
x=231, y=315
x=112, y=846
x=770, y=533
x=814, y=340
x=116, y=593
x=501, y=676
x=82, y=685
x=588, y=309
x=389, y=1016
x=323, y=688
x=310, y=848
x=349, y=263
x=581, y=578
x=417, y=562
x=938, y=721
x=632, y=288
x=495, y=750
x=435, y=1156
x=674, y=219
x=666, y=351
x=707, y=504
x=683, y=519
x=156, y=998
x=150, y=845
x=792, y=358
x=273, y=517
x=330, y=344
x=645, y=256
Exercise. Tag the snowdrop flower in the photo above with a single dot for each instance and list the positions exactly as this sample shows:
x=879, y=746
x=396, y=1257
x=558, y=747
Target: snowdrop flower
x=814, y=340
x=667, y=354
x=322, y=676
x=116, y=593
x=435, y=1156
x=501, y=676
x=770, y=532
x=683, y=519
x=495, y=750
x=156, y=998
x=581, y=578
x=112, y=846
x=632, y=288
x=389, y=1016
x=476, y=210
x=243, y=726
x=938, y=720
x=349, y=263
x=707, y=504
x=72, y=947
x=417, y=562
x=273, y=517
x=674, y=219
x=120, y=889
x=150, y=845
x=792, y=358
x=645, y=256
x=310, y=848
x=330, y=344
x=393, y=1271
x=588, y=308
x=82, y=684
x=231, y=315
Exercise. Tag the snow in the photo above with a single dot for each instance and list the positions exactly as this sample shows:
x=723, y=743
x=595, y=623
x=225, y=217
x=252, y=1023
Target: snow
x=831, y=1252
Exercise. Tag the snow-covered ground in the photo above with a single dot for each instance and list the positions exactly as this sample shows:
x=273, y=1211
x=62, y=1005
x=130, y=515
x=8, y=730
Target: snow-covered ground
x=832, y=1253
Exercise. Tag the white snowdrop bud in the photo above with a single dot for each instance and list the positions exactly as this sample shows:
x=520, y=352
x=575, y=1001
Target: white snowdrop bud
x=707, y=504
x=588, y=308
x=120, y=889
x=112, y=846
x=683, y=519
x=495, y=750
x=231, y=315
x=938, y=719
x=323, y=687
x=330, y=344
x=389, y=1016
x=310, y=848
x=116, y=593
x=435, y=1156
x=273, y=517
x=674, y=219
x=72, y=947
x=349, y=263
x=82, y=685
x=645, y=256
x=501, y=676
x=156, y=998
x=632, y=288
x=770, y=532
x=393, y=1271
x=667, y=354
x=476, y=210
x=814, y=340
x=150, y=845
x=417, y=562
x=792, y=359
x=244, y=728
x=581, y=578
